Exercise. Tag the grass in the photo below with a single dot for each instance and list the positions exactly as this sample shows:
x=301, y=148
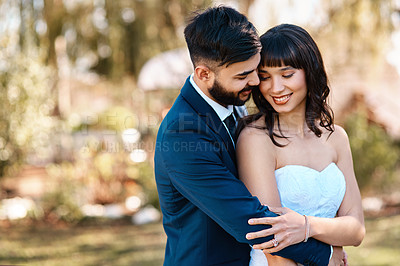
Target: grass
x=381, y=245
x=84, y=245
x=125, y=244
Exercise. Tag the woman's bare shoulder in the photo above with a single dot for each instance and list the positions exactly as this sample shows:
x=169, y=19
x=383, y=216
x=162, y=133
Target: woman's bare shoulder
x=338, y=137
x=254, y=134
x=254, y=128
x=255, y=148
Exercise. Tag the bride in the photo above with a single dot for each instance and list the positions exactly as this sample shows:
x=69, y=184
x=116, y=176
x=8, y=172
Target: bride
x=291, y=155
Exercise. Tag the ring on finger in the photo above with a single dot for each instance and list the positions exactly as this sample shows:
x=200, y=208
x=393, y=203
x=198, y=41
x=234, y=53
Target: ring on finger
x=275, y=242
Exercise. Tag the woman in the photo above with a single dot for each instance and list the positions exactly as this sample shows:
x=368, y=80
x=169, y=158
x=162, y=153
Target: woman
x=291, y=154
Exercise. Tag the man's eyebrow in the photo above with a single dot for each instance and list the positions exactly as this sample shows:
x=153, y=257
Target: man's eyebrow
x=245, y=73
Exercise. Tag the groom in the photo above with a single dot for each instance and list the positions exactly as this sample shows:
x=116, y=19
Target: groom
x=205, y=206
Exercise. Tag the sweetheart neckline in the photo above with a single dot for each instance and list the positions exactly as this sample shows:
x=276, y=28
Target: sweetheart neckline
x=303, y=166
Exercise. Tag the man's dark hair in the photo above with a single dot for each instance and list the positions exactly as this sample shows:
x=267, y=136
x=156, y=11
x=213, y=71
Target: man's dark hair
x=221, y=35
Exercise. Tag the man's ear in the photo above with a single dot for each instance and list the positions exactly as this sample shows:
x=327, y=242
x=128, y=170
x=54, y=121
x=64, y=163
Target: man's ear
x=204, y=74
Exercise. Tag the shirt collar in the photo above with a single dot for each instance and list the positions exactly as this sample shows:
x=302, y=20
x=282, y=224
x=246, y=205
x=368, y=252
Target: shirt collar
x=222, y=112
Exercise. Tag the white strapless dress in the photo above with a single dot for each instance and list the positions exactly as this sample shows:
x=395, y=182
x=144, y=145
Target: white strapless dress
x=309, y=192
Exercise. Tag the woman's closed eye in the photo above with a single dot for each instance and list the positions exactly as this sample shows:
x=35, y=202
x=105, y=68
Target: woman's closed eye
x=286, y=76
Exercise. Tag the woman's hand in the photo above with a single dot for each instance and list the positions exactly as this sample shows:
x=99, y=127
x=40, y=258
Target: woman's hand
x=289, y=228
x=339, y=257
x=345, y=261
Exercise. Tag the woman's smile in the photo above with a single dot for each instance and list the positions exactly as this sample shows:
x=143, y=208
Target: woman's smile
x=279, y=100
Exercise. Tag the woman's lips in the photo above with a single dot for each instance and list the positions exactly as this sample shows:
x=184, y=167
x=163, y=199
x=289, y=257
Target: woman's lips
x=281, y=99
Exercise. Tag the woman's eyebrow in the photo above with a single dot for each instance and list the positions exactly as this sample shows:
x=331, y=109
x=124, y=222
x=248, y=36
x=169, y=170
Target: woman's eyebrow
x=282, y=69
x=287, y=68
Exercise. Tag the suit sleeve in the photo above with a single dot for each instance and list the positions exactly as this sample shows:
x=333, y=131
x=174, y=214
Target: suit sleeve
x=201, y=176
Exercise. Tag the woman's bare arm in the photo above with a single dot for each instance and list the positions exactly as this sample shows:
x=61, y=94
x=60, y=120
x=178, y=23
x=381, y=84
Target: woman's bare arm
x=256, y=164
x=345, y=230
x=350, y=220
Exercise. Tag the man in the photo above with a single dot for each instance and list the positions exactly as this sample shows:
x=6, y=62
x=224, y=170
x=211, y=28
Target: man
x=205, y=206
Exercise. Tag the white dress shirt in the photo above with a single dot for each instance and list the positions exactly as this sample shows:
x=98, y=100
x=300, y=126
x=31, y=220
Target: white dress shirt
x=222, y=112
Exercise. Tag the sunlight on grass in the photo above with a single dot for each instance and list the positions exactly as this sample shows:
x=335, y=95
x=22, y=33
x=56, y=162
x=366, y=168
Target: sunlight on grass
x=99, y=245
x=144, y=245
x=381, y=245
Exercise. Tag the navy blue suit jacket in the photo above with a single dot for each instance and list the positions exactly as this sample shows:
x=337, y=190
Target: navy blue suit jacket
x=205, y=206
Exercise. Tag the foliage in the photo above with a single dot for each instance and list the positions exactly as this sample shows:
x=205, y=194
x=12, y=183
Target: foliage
x=357, y=27
x=117, y=119
x=112, y=176
x=375, y=155
x=102, y=172
x=148, y=184
x=27, y=103
x=60, y=205
x=114, y=38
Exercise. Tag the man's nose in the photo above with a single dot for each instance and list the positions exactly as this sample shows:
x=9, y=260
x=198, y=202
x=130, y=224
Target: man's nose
x=254, y=80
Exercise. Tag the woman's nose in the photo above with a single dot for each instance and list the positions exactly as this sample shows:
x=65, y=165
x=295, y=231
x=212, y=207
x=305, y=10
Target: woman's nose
x=277, y=86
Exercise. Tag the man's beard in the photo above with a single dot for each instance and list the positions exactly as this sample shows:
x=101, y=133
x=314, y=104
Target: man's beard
x=225, y=97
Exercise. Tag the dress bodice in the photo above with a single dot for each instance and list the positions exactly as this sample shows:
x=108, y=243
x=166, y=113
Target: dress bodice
x=309, y=192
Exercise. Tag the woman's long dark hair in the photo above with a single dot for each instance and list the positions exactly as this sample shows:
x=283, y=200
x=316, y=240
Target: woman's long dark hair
x=291, y=45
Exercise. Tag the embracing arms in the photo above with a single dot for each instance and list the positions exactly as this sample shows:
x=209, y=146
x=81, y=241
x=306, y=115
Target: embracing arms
x=202, y=177
x=256, y=165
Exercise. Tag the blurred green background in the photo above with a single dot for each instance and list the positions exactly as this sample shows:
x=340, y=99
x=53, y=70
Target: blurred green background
x=84, y=85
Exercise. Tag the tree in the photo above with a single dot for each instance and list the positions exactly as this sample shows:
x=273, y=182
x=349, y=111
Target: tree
x=27, y=105
x=359, y=30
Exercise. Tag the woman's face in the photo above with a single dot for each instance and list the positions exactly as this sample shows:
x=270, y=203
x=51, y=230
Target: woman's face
x=284, y=88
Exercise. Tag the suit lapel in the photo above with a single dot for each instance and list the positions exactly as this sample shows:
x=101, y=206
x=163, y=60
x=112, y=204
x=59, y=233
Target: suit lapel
x=207, y=113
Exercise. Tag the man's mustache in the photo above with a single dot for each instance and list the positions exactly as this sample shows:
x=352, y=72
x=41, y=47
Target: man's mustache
x=248, y=88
